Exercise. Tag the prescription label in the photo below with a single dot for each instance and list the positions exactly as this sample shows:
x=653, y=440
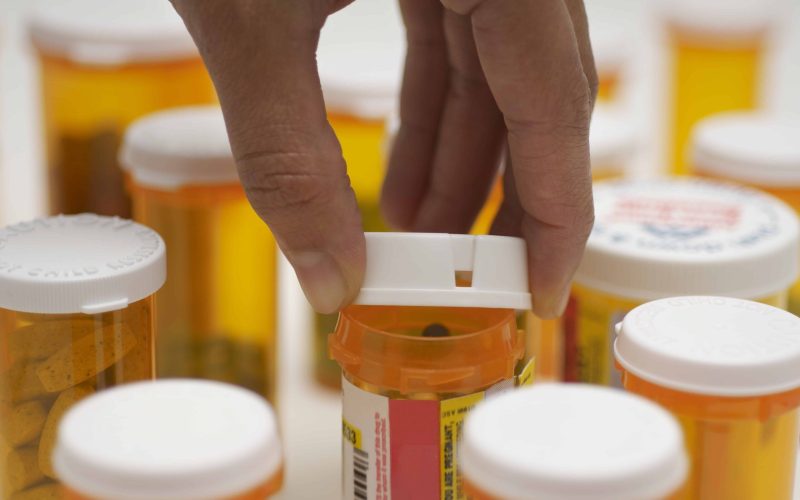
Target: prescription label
x=406, y=448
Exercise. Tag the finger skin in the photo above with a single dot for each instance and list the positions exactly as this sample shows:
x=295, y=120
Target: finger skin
x=530, y=55
x=261, y=57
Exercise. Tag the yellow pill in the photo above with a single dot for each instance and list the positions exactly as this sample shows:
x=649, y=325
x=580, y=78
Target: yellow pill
x=49, y=491
x=24, y=422
x=20, y=383
x=22, y=469
x=86, y=357
x=43, y=339
x=48, y=440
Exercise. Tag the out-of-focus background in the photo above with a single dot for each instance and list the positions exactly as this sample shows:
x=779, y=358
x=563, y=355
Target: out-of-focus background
x=309, y=413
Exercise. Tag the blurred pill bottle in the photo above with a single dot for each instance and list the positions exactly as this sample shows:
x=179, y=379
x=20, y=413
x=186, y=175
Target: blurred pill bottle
x=572, y=441
x=611, y=46
x=717, y=50
x=756, y=149
x=432, y=332
x=170, y=440
x=612, y=143
x=102, y=65
x=729, y=370
x=218, y=309
x=76, y=317
x=360, y=62
x=664, y=237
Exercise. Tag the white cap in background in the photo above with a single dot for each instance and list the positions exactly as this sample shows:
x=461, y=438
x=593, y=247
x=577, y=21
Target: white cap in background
x=612, y=140
x=751, y=147
x=108, y=33
x=168, y=440
x=722, y=18
x=712, y=346
x=664, y=237
x=419, y=269
x=179, y=147
x=78, y=264
x=572, y=442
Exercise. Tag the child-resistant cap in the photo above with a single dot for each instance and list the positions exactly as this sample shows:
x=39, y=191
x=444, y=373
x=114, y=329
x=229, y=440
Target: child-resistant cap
x=723, y=18
x=168, y=440
x=750, y=147
x=612, y=140
x=179, y=147
x=360, y=59
x=78, y=264
x=421, y=269
x=712, y=346
x=665, y=237
x=572, y=442
x=99, y=32
x=611, y=45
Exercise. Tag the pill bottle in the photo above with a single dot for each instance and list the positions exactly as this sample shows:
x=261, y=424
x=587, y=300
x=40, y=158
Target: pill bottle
x=76, y=317
x=612, y=143
x=217, y=310
x=432, y=332
x=571, y=441
x=611, y=46
x=360, y=61
x=664, y=237
x=757, y=149
x=170, y=440
x=102, y=65
x=717, y=51
x=729, y=369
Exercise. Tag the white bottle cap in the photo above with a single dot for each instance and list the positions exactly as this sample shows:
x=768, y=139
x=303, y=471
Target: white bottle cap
x=750, y=147
x=612, y=140
x=419, y=269
x=360, y=59
x=572, y=442
x=108, y=33
x=711, y=345
x=78, y=264
x=179, y=147
x=723, y=18
x=611, y=45
x=168, y=440
x=664, y=237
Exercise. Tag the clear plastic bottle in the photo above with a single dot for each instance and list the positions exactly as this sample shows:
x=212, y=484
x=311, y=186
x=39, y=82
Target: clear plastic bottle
x=432, y=332
x=170, y=440
x=664, y=237
x=76, y=317
x=572, y=441
x=360, y=61
x=217, y=310
x=104, y=64
x=729, y=370
x=758, y=149
x=717, y=50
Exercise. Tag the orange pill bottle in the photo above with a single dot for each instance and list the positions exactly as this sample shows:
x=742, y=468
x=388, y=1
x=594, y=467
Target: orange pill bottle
x=758, y=149
x=170, y=440
x=104, y=64
x=432, y=333
x=729, y=370
x=572, y=441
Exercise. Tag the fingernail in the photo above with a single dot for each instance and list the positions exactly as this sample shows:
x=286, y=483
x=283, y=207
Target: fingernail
x=563, y=301
x=321, y=279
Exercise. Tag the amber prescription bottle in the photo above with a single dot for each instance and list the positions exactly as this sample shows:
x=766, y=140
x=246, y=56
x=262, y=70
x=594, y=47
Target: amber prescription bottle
x=611, y=45
x=571, y=442
x=717, y=49
x=729, y=369
x=76, y=317
x=758, y=149
x=432, y=332
x=360, y=61
x=104, y=64
x=170, y=440
x=217, y=310
x=664, y=237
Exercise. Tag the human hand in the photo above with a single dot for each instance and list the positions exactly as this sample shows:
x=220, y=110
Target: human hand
x=482, y=76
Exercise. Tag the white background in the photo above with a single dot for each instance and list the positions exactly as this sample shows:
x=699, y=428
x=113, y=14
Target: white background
x=309, y=414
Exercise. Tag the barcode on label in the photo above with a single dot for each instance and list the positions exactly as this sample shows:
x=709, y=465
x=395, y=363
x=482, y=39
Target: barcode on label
x=360, y=468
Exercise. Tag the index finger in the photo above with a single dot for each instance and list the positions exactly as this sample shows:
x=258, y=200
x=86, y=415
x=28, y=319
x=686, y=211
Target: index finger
x=531, y=58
